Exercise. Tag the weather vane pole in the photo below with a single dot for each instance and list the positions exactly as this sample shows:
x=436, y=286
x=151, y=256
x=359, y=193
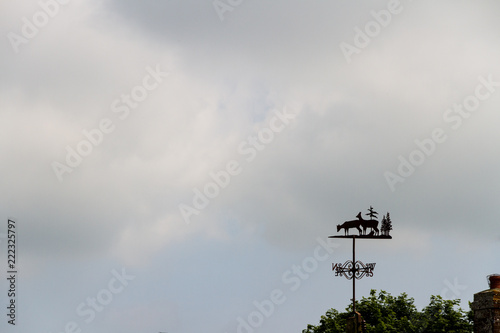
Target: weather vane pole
x=355, y=270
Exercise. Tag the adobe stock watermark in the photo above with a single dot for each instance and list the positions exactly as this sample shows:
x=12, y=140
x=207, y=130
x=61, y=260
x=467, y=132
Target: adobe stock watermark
x=223, y=6
x=456, y=289
x=122, y=107
x=454, y=117
x=363, y=37
x=292, y=280
x=31, y=27
x=88, y=309
x=248, y=148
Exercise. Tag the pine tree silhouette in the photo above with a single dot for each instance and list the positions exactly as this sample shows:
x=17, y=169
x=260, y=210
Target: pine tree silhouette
x=373, y=214
x=385, y=226
x=389, y=223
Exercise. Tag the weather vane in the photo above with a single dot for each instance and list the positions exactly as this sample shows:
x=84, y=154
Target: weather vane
x=355, y=270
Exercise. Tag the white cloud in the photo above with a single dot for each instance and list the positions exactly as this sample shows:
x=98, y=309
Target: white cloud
x=225, y=79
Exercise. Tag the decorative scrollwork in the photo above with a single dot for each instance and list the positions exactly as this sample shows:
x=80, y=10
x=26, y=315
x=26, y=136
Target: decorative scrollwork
x=352, y=270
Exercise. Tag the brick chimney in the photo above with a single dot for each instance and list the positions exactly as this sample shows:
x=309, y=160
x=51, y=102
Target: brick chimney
x=486, y=307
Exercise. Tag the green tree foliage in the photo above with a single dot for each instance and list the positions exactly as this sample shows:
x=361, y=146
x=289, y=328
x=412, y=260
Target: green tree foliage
x=385, y=313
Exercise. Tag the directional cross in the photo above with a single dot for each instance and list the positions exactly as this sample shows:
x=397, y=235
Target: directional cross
x=353, y=269
x=357, y=270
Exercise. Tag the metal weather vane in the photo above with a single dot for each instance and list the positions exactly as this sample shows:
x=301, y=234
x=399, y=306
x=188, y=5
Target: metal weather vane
x=355, y=270
x=372, y=223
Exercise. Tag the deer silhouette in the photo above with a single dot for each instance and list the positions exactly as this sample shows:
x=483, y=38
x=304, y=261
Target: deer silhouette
x=367, y=224
x=349, y=224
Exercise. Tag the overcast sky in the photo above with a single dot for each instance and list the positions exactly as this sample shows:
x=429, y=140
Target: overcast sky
x=178, y=166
